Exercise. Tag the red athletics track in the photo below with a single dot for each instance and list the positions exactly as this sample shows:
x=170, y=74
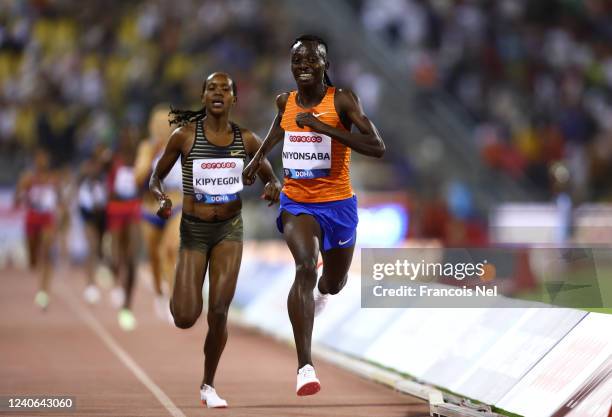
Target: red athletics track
x=77, y=350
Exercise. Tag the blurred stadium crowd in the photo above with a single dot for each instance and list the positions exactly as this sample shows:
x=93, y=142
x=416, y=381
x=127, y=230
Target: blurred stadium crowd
x=72, y=74
x=535, y=76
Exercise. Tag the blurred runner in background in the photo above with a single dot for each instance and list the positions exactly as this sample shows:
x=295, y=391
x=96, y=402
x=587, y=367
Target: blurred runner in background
x=161, y=235
x=123, y=218
x=38, y=190
x=92, y=200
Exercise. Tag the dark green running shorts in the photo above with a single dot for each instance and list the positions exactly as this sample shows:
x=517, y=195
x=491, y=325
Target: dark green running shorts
x=203, y=235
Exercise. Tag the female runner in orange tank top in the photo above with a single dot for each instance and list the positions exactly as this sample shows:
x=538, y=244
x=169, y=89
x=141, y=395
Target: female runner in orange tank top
x=318, y=209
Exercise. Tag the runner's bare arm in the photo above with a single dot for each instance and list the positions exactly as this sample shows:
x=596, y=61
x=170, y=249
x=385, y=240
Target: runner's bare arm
x=275, y=135
x=252, y=144
x=18, y=196
x=142, y=166
x=21, y=188
x=63, y=195
x=367, y=141
x=171, y=153
x=272, y=188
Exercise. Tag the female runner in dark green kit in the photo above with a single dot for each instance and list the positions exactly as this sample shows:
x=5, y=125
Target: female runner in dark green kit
x=213, y=152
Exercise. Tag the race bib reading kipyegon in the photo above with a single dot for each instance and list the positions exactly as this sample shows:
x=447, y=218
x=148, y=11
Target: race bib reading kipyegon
x=217, y=180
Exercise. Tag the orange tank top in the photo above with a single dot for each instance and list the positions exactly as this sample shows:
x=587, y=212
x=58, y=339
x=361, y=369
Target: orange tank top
x=316, y=166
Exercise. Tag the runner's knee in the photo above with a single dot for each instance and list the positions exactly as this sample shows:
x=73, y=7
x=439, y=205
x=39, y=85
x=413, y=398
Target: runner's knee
x=183, y=318
x=217, y=314
x=184, y=322
x=306, y=272
x=335, y=286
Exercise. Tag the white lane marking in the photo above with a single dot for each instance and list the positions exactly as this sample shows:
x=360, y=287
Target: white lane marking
x=123, y=356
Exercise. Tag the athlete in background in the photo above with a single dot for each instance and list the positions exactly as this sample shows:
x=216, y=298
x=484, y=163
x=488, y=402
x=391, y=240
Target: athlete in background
x=123, y=218
x=63, y=223
x=92, y=200
x=318, y=210
x=213, y=151
x=38, y=190
x=161, y=235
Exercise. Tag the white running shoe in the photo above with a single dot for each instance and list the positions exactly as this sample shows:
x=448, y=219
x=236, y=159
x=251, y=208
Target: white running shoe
x=169, y=316
x=42, y=300
x=104, y=277
x=307, y=381
x=91, y=294
x=126, y=319
x=160, y=304
x=117, y=297
x=162, y=309
x=210, y=399
x=320, y=300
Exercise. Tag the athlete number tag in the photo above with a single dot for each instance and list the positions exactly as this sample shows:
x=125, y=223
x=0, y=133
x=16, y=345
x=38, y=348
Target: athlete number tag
x=44, y=197
x=306, y=155
x=217, y=181
x=92, y=195
x=125, y=182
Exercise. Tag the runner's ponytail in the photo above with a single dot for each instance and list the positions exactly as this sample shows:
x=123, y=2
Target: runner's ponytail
x=184, y=117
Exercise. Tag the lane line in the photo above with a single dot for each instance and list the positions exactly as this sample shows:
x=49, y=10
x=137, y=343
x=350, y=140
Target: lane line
x=123, y=356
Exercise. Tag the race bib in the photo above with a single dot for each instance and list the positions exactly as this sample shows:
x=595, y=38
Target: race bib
x=86, y=199
x=217, y=181
x=125, y=183
x=43, y=197
x=99, y=194
x=306, y=155
x=92, y=194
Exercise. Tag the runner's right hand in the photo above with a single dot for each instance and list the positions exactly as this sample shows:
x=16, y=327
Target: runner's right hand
x=250, y=171
x=165, y=208
x=272, y=192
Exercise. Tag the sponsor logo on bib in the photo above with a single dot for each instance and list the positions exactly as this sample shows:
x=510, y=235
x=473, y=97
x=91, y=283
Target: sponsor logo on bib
x=305, y=139
x=218, y=165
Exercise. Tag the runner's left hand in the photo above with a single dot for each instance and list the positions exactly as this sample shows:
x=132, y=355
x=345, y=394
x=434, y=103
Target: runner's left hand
x=272, y=192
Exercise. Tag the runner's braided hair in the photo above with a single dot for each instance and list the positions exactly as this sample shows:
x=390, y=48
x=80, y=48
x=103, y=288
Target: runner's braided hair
x=320, y=41
x=185, y=117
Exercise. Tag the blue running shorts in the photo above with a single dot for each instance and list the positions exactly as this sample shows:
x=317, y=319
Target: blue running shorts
x=337, y=219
